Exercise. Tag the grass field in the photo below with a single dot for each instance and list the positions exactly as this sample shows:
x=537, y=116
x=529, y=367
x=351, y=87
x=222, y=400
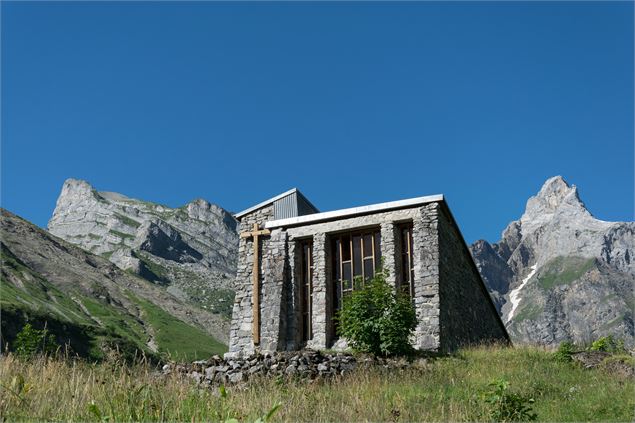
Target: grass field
x=181, y=341
x=447, y=389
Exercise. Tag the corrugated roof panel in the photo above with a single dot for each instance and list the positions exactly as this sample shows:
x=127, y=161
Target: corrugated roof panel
x=288, y=204
x=286, y=207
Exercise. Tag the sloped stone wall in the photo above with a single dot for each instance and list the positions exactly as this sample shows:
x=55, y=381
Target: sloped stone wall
x=468, y=315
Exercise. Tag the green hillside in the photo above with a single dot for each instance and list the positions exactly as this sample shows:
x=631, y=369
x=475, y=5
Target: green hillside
x=86, y=303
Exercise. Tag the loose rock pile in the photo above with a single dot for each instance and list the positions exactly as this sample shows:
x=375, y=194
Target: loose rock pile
x=596, y=359
x=302, y=364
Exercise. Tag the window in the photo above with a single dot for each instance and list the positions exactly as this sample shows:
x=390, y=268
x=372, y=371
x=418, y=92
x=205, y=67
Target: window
x=407, y=262
x=306, y=290
x=355, y=255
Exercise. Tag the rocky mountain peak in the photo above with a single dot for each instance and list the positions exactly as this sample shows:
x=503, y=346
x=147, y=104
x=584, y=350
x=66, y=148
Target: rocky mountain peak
x=77, y=188
x=200, y=206
x=556, y=199
x=558, y=273
x=72, y=183
x=191, y=248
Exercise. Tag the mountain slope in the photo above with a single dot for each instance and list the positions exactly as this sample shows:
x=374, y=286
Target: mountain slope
x=190, y=250
x=560, y=274
x=89, y=302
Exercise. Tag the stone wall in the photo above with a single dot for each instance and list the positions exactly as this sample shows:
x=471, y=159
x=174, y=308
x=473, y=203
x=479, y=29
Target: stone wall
x=468, y=315
x=274, y=291
x=391, y=253
x=240, y=335
x=294, y=279
x=322, y=294
x=451, y=302
x=426, y=279
x=426, y=261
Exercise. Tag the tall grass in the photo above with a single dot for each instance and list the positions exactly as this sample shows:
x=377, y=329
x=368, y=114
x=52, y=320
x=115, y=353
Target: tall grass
x=446, y=389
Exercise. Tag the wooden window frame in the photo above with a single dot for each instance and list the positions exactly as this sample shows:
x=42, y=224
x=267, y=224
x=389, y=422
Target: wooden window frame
x=374, y=254
x=407, y=258
x=306, y=290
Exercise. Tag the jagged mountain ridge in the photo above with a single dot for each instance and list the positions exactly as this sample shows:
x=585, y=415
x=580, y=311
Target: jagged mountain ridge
x=558, y=273
x=191, y=250
x=90, y=302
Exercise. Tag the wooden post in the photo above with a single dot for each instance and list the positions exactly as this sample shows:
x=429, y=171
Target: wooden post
x=256, y=233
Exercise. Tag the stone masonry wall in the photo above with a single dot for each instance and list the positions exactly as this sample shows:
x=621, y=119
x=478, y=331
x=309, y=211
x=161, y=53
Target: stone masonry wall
x=426, y=261
x=390, y=248
x=274, y=291
x=323, y=309
x=321, y=294
x=451, y=302
x=292, y=283
x=426, y=279
x=468, y=315
x=240, y=335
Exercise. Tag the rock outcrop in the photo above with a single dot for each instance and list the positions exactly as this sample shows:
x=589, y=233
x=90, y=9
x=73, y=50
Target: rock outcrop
x=191, y=249
x=559, y=273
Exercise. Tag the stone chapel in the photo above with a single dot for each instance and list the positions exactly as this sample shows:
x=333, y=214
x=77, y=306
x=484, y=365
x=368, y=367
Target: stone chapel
x=295, y=264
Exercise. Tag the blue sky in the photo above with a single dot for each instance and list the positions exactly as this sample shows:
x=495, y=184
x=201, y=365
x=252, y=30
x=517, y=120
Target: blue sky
x=353, y=103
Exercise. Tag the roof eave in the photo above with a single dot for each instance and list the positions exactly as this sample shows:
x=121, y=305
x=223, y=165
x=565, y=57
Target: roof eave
x=353, y=211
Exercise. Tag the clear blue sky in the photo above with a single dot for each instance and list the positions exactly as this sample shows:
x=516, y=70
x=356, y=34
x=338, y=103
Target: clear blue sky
x=353, y=103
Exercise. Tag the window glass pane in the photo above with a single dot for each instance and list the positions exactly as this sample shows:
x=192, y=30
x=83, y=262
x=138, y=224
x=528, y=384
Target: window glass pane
x=368, y=268
x=336, y=260
x=347, y=285
x=305, y=290
x=368, y=245
x=346, y=252
x=357, y=255
x=357, y=267
x=377, y=239
x=405, y=271
x=346, y=272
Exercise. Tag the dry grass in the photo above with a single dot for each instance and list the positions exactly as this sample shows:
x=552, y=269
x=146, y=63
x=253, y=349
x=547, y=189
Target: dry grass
x=448, y=389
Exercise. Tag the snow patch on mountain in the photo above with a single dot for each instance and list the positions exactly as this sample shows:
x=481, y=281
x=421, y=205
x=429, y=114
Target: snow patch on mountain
x=514, y=296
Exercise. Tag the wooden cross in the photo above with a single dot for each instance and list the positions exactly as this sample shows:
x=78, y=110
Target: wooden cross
x=255, y=234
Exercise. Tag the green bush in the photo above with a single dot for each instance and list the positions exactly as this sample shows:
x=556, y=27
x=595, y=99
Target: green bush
x=608, y=344
x=30, y=342
x=505, y=406
x=565, y=349
x=376, y=319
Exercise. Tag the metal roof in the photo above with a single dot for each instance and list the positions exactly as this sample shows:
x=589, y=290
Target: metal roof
x=291, y=203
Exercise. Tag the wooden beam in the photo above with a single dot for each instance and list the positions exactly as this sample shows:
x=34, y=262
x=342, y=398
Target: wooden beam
x=255, y=233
